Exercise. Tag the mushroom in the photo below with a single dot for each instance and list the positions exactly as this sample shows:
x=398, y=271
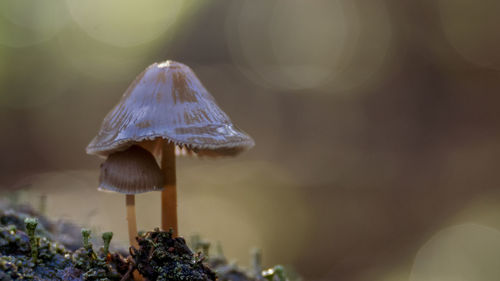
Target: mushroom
x=131, y=171
x=167, y=110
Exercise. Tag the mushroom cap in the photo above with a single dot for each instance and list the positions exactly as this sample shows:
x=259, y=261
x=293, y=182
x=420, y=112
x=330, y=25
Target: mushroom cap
x=168, y=101
x=131, y=171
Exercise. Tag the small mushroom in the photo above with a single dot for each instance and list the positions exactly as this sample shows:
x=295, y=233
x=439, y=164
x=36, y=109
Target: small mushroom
x=130, y=172
x=167, y=107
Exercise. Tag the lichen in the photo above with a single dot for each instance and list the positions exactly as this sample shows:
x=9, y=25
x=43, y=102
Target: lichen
x=28, y=257
x=93, y=266
x=276, y=273
x=25, y=255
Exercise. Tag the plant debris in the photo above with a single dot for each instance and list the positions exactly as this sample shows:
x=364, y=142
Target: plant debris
x=162, y=257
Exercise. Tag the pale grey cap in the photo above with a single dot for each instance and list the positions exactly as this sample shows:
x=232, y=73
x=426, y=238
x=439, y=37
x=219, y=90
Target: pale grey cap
x=167, y=101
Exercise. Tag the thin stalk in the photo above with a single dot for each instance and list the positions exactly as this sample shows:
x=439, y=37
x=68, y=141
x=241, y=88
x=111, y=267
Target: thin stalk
x=169, y=193
x=132, y=224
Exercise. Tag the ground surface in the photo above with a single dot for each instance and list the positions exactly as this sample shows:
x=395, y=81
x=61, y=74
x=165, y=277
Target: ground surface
x=35, y=248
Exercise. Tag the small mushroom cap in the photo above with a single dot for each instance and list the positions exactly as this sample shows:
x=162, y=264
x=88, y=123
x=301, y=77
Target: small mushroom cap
x=131, y=171
x=167, y=101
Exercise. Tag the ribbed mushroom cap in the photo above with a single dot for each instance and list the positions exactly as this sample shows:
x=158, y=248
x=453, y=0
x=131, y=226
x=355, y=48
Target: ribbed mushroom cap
x=168, y=101
x=131, y=171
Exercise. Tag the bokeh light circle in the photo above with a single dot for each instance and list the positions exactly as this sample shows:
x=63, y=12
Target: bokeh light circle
x=296, y=45
x=28, y=22
x=100, y=60
x=125, y=24
x=287, y=45
x=471, y=27
x=463, y=252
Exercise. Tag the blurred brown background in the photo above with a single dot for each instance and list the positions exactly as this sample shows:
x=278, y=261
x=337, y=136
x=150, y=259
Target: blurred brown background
x=376, y=125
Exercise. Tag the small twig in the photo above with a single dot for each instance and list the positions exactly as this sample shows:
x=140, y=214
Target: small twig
x=151, y=252
x=131, y=268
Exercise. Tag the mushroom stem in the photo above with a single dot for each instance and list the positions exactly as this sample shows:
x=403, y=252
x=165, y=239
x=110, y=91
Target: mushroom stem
x=132, y=224
x=169, y=193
